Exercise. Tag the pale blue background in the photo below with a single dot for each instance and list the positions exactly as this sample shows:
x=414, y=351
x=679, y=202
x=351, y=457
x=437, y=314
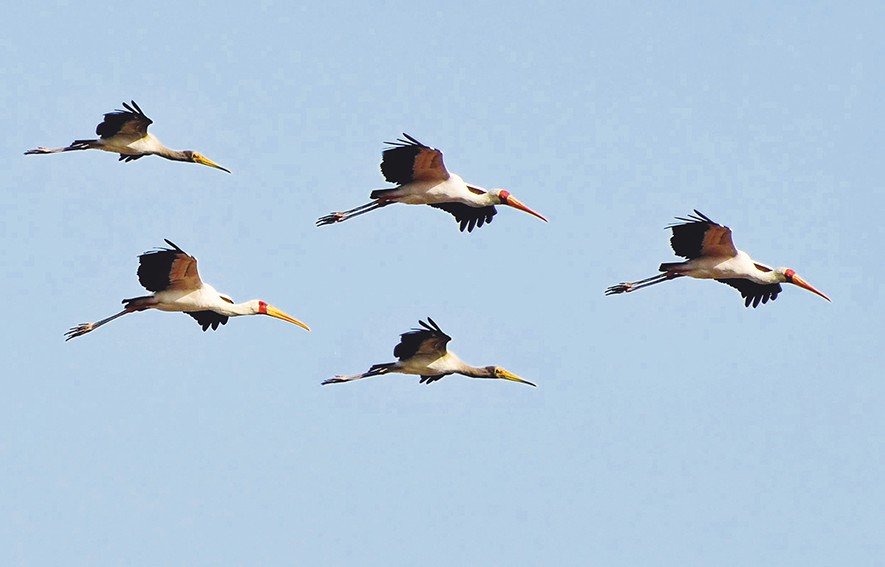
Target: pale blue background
x=671, y=427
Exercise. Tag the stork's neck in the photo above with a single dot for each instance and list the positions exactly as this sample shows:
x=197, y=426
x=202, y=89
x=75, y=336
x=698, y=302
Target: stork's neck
x=478, y=371
x=174, y=155
x=237, y=309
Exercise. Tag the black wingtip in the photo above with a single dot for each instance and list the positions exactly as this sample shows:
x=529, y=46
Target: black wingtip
x=174, y=246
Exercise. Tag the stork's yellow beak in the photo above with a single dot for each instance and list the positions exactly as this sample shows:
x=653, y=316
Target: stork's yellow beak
x=203, y=160
x=516, y=204
x=274, y=312
x=507, y=375
x=804, y=284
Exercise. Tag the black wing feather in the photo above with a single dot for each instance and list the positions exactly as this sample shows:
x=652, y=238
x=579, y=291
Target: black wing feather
x=154, y=267
x=688, y=238
x=753, y=292
x=114, y=121
x=411, y=341
x=208, y=319
x=397, y=163
x=469, y=217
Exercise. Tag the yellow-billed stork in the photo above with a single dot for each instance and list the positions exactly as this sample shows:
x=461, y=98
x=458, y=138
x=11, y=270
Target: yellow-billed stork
x=125, y=132
x=711, y=254
x=423, y=352
x=171, y=274
x=422, y=179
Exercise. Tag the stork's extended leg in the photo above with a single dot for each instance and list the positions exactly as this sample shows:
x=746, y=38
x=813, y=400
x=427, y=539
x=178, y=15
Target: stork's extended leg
x=332, y=218
x=84, y=328
x=375, y=370
x=626, y=287
x=130, y=306
x=75, y=145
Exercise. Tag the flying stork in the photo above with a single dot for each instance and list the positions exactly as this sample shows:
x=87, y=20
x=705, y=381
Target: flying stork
x=711, y=255
x=171, y=274
x=423, y=352
x=125, y=132
x=422, y=179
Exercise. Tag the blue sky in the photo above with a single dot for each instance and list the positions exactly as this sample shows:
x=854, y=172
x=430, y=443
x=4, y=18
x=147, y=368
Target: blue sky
x=670, y=426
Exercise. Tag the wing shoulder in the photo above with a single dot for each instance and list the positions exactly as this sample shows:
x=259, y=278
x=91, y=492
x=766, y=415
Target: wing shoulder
x=409, y=160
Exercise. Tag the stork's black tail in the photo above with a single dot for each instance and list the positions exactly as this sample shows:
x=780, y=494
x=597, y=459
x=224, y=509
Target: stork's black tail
x=378, y=369
x=378, y=193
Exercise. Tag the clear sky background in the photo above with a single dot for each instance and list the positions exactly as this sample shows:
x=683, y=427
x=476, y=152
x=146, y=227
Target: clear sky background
x=670, y=427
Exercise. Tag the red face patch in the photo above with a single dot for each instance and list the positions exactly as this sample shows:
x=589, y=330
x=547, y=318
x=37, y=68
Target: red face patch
x=262, y=307
x=789, y=273
x=503, y=194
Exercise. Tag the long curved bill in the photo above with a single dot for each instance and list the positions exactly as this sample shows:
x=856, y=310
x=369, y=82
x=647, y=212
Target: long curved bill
x=804, y=284
x=511, y=376
x=203, y=160
x=274, y=312
x=514, y=202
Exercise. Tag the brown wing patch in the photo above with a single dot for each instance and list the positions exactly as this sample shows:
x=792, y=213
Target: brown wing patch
x=433, y=345
x=429, y=165
x=717, y=242
x=762, y=268
x=183, y=273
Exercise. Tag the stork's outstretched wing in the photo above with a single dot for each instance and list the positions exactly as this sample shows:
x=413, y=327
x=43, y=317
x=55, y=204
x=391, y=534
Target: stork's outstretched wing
x=428, y=340
x=410, y=160
x=168, y=268
x=208, y=319
x=469, y=217
x=699, y=236
x=753, y=292
x=129, y=122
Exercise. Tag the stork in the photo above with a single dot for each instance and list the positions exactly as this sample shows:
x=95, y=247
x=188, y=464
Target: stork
x=422, y=179
x=171, y=274
x=125, y=132
x=710, y=253
x=422, y=351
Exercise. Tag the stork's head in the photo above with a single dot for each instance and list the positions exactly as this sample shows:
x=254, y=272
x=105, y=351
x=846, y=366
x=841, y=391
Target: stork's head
x=503, y=197
x=500, y=373
x=199, y=158
x=259, y=307
x=788, y=275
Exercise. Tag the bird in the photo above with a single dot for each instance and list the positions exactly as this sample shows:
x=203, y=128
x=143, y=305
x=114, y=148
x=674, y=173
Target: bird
x=171, y=274
x=422, y=351
x=422, y=179
x=125, y=132
x=710, y=253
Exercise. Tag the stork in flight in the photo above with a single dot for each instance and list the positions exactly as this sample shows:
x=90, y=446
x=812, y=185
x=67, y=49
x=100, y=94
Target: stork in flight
x=422, y=179
x=423, y=352
x=171, y=274
x=711, y=255
x=125, y=132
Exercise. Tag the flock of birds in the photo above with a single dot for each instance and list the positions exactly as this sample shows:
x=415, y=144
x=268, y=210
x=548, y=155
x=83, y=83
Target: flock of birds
x=421, y=178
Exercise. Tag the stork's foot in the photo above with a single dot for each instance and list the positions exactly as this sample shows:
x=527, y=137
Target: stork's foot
x=336, y=380
x=80, y=329
x=331, y=218
x=623, y=287
x=40, y=150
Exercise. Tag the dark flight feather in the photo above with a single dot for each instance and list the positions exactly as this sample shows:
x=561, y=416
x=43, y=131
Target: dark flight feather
x=131, y=120
x=208, y=319
x=468, y=217
x=753, y=292
x=416, y=340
